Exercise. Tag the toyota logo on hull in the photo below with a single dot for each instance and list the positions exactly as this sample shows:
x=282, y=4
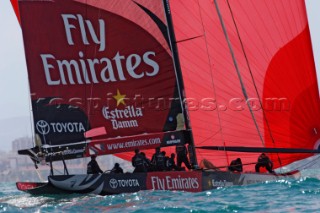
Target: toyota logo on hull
x=113, y=183
x=123, y=183
x=43, y=127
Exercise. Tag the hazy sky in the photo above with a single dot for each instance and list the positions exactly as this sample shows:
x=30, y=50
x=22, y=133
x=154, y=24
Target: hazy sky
x=14, y=89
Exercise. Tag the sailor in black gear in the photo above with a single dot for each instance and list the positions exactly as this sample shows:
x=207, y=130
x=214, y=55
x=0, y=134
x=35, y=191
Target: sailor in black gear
x=158, y=159
x=166, y=158
x=116, y=169
x=170, y=163
x=138, y=162
x=182, y=156
x=264, y=161
x=153, y=159
x=147, y=162
x=236, y=165
x=93, y=166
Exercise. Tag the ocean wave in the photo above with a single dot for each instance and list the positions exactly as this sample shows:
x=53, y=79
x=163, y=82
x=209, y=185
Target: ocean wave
x=300, y=195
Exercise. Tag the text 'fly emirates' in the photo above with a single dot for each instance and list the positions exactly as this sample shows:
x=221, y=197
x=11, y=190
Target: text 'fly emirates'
x=83, y=70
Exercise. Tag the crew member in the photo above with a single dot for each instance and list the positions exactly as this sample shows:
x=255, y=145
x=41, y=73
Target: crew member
x=153, y=159
x=116, y=169
x=138, y=162
x=182, y=156
x=147, y=162
x=93, y=166
x=236, y=165
x=158, y=159
x=166, y=158
x=264, y=161
x=170, y=163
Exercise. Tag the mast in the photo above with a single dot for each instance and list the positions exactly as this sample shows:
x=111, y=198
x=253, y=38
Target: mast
x=177, y=67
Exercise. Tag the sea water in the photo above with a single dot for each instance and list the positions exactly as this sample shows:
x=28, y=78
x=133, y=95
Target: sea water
x=301, y=195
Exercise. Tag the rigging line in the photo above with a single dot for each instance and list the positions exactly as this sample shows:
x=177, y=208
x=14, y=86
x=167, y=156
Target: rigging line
x=244, y=91
x=210, y=137
x=188, y=39
x=212, y=81
x=31, y=120
x=56, y=170
x=314, y=162
x=91, y=99
x=253, y=80
x=91, y=86
x=86, y=101
x=39, y=175
x=309, y=164
x=301, y=164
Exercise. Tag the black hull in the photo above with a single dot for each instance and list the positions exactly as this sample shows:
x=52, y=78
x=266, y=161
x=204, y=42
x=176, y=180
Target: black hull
x=107, y=184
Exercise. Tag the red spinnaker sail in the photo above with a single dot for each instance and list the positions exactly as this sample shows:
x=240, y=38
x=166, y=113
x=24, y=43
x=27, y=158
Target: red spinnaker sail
x=271, y=45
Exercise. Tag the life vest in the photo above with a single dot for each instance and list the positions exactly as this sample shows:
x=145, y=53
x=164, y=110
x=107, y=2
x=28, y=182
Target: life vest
x=264, y=160
x=236, y=165
x=138, y=160
x=146, y=162
x=169, y=163
x=181, y=150
x=160, y=159
x=117, y=170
